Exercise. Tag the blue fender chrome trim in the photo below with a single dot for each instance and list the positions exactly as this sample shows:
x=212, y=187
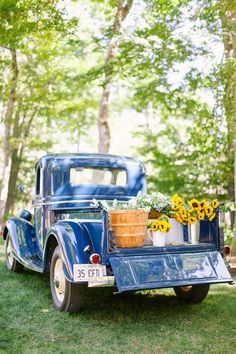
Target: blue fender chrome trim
x=72, y=239
x=24, y=243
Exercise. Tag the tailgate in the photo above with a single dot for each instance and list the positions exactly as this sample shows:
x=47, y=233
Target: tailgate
x=169, y=270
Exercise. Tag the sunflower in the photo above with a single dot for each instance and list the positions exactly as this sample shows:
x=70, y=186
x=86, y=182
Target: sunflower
x=192, y=220
x=209, y=210
x=174, y=198
x=203, y=204
x=177, y=201
x=192, y=211
x=162, y=226
x=212, y=216
x=201, y=214
x=194, y=203
x=178, y=217
x=215, y=203
x=183, y=213
x=168, y=226
x=154, y=226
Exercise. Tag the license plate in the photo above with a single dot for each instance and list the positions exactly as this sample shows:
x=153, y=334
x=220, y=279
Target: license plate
x=86, y=272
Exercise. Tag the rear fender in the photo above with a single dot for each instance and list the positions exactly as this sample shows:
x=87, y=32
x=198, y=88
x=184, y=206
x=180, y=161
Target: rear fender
x=72, y=239
x=22, y=234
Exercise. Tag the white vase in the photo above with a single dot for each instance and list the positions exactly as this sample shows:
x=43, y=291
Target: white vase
x=195, y=233
x=158, y=238
x=176, y=234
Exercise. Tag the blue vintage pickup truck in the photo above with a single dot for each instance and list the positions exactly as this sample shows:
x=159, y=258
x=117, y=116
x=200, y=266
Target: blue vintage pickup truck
x=71, y=238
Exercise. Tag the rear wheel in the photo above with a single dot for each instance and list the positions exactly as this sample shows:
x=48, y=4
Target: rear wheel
x=12, y=264
x=66, y=296
x=192, y=293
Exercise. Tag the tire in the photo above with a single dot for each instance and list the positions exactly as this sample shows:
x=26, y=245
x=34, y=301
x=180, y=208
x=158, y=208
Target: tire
x=12, y=264
x=66, y=296
x=192, y=293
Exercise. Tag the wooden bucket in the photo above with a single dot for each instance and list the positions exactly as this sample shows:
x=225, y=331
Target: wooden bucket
x=154, y=214
x=129, y=226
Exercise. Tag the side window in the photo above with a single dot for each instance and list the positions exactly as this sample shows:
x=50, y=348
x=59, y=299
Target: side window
x=38, y=182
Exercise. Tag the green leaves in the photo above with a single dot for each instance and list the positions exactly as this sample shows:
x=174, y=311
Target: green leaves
x=165, y=69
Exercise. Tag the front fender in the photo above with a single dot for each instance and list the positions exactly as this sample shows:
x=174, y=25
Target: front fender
x=72, y=239
x=22, y=234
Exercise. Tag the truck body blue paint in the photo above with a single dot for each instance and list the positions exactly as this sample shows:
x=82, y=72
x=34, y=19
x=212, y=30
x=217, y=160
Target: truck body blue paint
x=63, y=211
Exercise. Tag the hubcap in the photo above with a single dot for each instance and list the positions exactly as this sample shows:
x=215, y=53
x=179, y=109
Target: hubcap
x=9, y=255
x=186, y=288
x=59, y=280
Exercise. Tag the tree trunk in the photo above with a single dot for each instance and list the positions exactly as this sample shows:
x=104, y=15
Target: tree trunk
x=103, y=117
x=12, y=184
x=14, y=168
x=16, y=159
x=229, y=24
x=7, y=126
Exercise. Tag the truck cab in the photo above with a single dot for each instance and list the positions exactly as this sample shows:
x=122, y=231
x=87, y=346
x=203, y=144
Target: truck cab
x=70, y=236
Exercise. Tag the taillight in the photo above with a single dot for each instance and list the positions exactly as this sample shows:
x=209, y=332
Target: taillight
x=95, y=258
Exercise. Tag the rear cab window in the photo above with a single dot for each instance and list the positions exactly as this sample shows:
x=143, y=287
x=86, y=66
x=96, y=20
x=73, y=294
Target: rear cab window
x=97, y=176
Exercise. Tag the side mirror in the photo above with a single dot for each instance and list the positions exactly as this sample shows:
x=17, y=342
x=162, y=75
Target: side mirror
x=21, y=188
x=25, y=214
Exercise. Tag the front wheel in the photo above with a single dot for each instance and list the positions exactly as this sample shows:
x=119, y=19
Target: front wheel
x=12, y=264
x=192, y=293
x=66, y=296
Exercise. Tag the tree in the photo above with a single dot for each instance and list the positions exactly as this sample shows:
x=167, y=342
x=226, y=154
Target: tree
x=33, y=47
x=20, y=22
x=227, y=11
x=122, y=11
x=152, y=57
x=187, y=145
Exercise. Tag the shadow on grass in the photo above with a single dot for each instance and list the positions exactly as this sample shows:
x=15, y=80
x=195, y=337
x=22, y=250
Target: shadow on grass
x=100, y=301
x=139, y=305
x=96, y=300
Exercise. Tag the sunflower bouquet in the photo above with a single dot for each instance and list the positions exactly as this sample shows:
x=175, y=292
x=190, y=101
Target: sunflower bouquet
x=194, y=210
x=162, y=224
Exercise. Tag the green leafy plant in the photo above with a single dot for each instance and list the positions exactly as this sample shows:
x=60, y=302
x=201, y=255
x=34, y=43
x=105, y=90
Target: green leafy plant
x=156, y=201
x=133, y=203
x=228, y=235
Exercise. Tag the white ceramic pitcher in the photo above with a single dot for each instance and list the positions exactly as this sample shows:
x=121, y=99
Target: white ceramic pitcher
x=158, y=238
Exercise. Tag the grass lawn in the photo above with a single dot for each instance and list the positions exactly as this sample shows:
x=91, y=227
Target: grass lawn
x=141, y=322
